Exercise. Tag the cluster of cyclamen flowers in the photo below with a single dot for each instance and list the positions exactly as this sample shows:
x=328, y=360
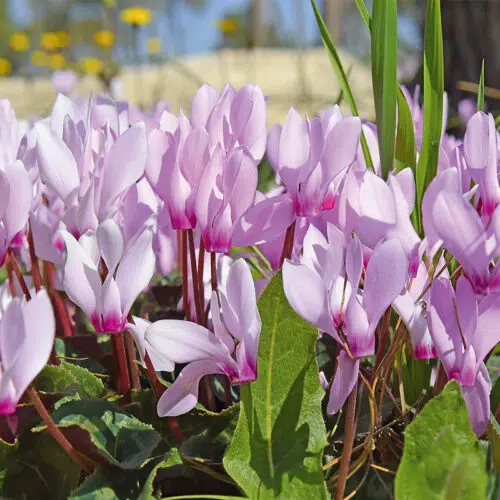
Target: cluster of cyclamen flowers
x=106, y=196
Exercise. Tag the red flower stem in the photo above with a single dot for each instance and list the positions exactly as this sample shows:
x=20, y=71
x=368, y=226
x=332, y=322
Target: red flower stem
x=59, y=304
x=286, y=253
x=159, y=389
x=35, y=270
x=185, y=292
x=122, y=376
x=345, y=460
x=382, y=340
x=213, y=271
x=201, y=269
x=131, y=358
x=33, y=394
x=10, y=273
x=179, y=251
x=55, y=432
x=198, y=300
x=19, y=274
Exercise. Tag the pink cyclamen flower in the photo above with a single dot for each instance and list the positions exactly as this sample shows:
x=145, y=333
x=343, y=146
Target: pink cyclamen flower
x=309, y=157
x=460, y=228
x=16, y=194
x=464, y=328
x=233, y=118
x=27, y=331
x=227, y=190
x=130, y=267
x=324, y=290
x=481, y=154
x=231, y=348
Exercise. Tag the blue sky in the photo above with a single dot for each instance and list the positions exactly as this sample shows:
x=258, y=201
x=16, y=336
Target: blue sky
x=195, y=29
x=199, y=24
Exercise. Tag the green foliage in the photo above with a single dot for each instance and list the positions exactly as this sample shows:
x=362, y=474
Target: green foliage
x=139, y=484
x=111, y=435
x=480, y=91
x=384, y=45
x=442, y=458
x=433, y=102
x=69, y=379
x=278, y=444
x=38, y=468
x=405, y=137
x=341, y=76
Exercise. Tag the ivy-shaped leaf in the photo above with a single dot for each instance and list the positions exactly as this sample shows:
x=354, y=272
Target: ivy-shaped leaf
x=112, y=435
x=280, y=437
x=442, y=458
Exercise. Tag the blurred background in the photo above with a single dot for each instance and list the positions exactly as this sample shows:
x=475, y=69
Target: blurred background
x=154, y=50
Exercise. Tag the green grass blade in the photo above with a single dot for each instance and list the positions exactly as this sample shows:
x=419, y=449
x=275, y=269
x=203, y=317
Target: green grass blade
x=363, y=12
x=384, y=35
x=341, y=76
x=433, y=100
x=405, y=137
x=480, y=91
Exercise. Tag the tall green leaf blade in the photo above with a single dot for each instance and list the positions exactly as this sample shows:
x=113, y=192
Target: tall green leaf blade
x=480, y=90
x=433, y=100
x=363, y=12
x=341, y=76
x=384, y=44
x=405, y=136
x=442, y=458
x=278, y=444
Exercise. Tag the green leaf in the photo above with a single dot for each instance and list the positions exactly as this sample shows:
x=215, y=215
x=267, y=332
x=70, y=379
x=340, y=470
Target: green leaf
x=69, y=379
x=278, y=444
x=95, y=487
x=170, y=459
x=363, y=12
x=405, y=138
x=495, y=396
x=442, y=458
x=39, y=468
x=384, y=45
x=341, y=76
x=480, y=90
x=433, y=101
x=494, y=439
x=114, y=436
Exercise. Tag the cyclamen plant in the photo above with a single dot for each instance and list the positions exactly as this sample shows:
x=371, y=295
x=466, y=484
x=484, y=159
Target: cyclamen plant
x=149, y=282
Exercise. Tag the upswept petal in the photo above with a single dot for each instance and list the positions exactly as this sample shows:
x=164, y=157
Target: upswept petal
x=344, y=380
x=184, y=342
x=135, y=269
x=81, y=279
x=182, y=396
x=386, y=276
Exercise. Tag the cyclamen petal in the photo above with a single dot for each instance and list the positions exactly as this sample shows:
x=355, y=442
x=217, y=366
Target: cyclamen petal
x=344, y=380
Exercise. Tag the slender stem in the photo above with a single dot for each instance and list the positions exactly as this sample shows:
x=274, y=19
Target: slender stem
x=201, y=266
x=19, y=274
x=198, y=300
x=441, y=379
x=10, y=273
x=286, y=253
x=55, y=432
x=35, y=270
x=59, y=304
x=122, y=376
x=227, y=390
x=179, y=251
x=159, y=389
x=382, y=339
x=131, y=358
x=348, y=442
x=185, y=292
x=213, y=271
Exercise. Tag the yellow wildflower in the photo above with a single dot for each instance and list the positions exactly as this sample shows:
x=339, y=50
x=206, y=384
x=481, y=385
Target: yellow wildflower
x=228, y=25
x=136, y=16
x=91, y=65
x=39, y=58
x=154, y=45
x=5, y=66
x=19, y=42
x=57, y=61
x=104, y=39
